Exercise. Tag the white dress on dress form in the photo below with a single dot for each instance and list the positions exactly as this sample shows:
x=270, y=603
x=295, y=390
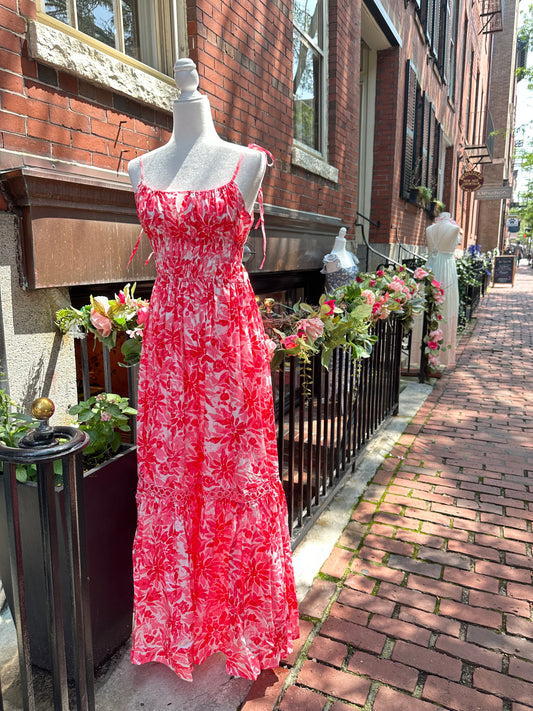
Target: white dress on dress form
x=442, y=240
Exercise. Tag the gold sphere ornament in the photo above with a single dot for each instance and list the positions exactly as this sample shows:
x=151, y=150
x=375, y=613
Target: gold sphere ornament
x=42, y=408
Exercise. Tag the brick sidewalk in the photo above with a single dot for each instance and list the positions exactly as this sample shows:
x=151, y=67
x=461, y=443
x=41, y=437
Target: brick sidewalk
x=425, y=601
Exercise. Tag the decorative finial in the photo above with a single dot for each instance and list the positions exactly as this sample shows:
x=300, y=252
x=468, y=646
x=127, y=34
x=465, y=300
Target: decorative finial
x=42, y=408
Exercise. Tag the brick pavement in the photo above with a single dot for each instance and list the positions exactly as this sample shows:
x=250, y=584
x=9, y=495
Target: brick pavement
x=425, y=601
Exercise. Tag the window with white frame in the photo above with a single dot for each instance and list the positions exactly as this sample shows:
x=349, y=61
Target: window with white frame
x=145, y=30
x=310, y=74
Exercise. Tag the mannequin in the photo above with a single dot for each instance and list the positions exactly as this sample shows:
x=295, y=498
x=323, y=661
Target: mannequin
x=340, y=265
x=195, y=157
x=442, y=239
x=212, y=515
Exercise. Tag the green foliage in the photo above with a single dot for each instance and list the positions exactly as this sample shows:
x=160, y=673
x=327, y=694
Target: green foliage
x=103, y=417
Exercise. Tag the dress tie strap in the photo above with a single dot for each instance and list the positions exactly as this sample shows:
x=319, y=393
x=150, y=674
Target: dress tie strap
x=141, y=232
x=261, y=220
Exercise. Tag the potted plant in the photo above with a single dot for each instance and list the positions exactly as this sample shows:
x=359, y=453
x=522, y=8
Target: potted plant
x=110, y=518
x=422, y=195
x=435, y=208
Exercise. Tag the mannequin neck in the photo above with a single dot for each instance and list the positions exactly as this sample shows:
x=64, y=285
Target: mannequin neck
x=339, y=246
x=193, y=120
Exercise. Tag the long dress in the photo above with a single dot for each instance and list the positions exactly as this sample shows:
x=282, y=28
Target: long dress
x=442, y=243
x=212, y=557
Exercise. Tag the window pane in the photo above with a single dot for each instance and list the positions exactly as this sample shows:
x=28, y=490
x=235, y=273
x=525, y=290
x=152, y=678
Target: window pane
x=97, y=20
x=57, y=9
x=130, y=21
x=306, y=93
x=308, y=17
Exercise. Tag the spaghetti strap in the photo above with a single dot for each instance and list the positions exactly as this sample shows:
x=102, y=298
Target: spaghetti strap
x=261, y=220
x=263, y=150
x=238, y=167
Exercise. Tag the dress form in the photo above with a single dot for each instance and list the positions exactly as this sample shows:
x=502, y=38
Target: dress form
x=196, y=158
x=442, y=239
x=340, y=265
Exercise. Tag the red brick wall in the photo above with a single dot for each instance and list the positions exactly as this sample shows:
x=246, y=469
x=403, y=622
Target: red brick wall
x=244, y=55
x=400, y=220
x=53, y=114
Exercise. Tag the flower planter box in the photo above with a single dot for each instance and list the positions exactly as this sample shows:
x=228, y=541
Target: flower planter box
x=110, y=519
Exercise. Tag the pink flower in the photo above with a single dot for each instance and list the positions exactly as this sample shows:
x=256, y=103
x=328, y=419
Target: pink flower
x=436, y=335
x=290, y=342
x=121, y=298
x=433, y=359
x=368, y=296
x=372, y=282
x=384, y=312
x=102, y=324
x=435, y=283
x=433, y=345
x=420, y=273
x=380, y=273
x=396, y=284
x=331, y=304
x=142, y=314
x=105, y=416
x=439, y=299
x=312, y=327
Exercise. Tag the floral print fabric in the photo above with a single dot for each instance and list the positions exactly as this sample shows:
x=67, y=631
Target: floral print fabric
x=212, y=558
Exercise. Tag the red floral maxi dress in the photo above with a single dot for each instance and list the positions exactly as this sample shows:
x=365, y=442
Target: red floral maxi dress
x=212, y=558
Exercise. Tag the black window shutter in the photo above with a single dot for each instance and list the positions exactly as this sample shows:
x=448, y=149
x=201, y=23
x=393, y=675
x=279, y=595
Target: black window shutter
x=409, y=126
x=431, y=150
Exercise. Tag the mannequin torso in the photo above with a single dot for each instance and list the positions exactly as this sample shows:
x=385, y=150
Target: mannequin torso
x=339, y=257
x=444, y=235
x=196, y=158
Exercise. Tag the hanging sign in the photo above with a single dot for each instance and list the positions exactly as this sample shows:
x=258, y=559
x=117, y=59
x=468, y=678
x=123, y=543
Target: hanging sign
x=513, y=224
x=470, y=181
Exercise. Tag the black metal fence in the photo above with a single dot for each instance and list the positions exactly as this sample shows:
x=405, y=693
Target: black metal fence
x=326, y=417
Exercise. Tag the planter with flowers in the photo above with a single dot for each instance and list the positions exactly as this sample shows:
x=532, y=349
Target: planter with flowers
x=110, y=482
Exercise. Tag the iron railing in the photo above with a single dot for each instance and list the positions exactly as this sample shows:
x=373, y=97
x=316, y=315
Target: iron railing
x=326, y=417
x=41, y=448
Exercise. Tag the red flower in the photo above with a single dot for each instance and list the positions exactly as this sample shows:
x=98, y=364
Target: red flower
x=331, y=304
x=380, y=273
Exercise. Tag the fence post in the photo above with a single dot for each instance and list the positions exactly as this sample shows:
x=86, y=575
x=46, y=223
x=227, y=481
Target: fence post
x=42, y=447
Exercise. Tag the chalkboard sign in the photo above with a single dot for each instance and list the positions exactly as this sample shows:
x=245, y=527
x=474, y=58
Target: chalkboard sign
x=504, y=268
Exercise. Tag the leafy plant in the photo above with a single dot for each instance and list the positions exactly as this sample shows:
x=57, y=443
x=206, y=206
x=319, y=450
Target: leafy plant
x=423, y=194
x=105, y=318
x=14, y=424
x=103, y=417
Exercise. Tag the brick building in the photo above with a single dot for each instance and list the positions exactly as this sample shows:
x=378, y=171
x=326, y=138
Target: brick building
x=359, y=103
x=498, y=174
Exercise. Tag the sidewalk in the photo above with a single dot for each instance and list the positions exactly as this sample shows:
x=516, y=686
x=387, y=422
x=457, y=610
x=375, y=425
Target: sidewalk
x=425, y=600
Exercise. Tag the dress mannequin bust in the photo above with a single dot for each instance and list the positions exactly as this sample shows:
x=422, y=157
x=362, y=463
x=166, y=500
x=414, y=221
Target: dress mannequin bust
x=196, y=158
x=442, y=239
x=340, y=265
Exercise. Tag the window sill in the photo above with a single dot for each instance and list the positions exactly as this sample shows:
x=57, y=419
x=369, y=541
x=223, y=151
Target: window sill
x=63, y=50
x=312, y=164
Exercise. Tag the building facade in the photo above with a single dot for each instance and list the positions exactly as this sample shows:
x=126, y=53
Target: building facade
x=358, y=103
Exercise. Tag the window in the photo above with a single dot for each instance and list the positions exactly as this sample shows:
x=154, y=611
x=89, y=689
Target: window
x=310, y=74
x=421, y=139
x=145, y=30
